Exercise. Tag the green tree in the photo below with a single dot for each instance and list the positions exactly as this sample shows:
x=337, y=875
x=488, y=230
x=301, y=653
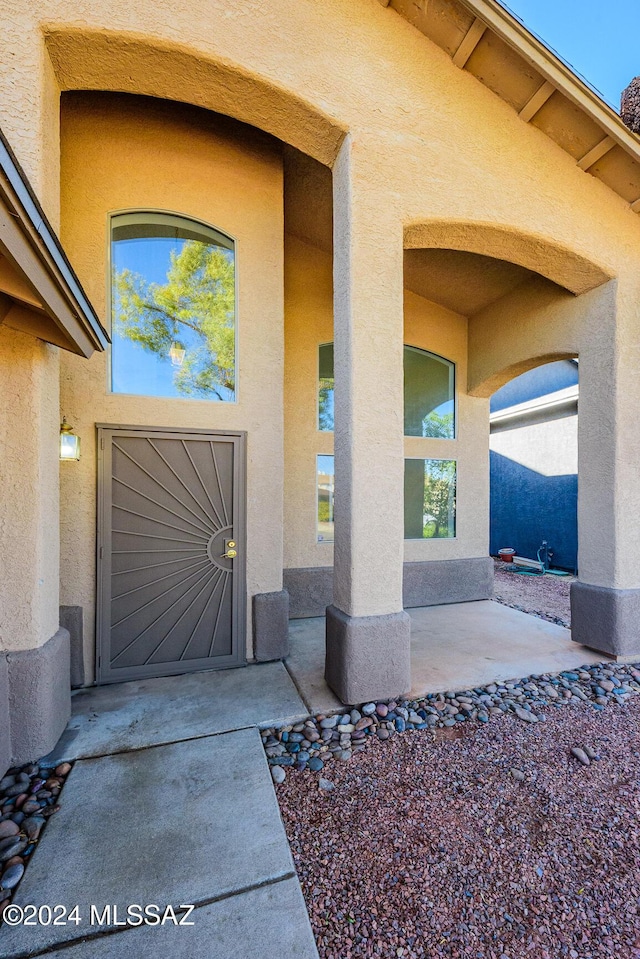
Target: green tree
x=324, y=511
x=325, y=404
x=438, y=426
x=194, y=309
x=440, y=496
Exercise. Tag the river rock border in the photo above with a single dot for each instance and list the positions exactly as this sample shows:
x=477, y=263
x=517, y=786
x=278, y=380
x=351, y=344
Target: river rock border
x=28, y=798
x=325, y=738
x=547, y=617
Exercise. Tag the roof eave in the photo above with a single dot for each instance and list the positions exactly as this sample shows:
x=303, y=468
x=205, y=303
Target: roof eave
x=553, y=69
x=44, y=262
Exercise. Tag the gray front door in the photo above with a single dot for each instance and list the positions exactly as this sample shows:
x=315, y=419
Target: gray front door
x=171, y=595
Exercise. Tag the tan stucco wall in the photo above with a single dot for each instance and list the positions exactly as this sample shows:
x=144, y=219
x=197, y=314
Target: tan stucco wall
x=429, y=145
x=308, y=323
x=622, y=446
x=156, y=157
x=442, y=119
x=29, y=538
x=431, y=327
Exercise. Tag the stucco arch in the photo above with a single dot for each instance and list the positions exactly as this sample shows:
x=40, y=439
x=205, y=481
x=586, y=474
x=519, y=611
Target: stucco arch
x=565, y=267
x=85, y=59
x=552, y=324
x=489, y=386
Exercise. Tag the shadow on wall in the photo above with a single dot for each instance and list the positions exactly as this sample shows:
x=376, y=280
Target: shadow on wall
x=538, y=382
x=528, y=507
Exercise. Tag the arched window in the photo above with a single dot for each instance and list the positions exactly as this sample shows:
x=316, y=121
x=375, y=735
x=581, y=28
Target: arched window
x=173, y=308
x=429, y=393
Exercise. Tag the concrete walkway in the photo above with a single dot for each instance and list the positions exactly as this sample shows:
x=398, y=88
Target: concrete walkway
x=457, y=646
x=171, y=803
x=170, y=809
x=149, y=712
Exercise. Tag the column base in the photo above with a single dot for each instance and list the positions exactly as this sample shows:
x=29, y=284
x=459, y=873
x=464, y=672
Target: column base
x=429, y=583
x=270, y=626
x=367, y=657
x=5, y=738
x=71, y=619
x=39, y=697
x=606, y=619
x=438, y=582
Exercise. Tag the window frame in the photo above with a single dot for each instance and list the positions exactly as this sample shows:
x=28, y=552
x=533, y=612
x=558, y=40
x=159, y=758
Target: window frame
x=405, y=346
x=437, y=539
x=160, y=211
x=454, y=369
x=324, y=542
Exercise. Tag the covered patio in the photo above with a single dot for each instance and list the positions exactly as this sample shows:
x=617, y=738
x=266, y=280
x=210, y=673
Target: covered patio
x=455, y=646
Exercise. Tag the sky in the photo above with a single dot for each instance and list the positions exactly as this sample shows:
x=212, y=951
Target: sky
x=135, y=370
x=600, y=41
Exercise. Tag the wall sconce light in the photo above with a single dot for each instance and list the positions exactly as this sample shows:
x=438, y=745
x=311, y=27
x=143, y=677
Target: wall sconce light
x=177, y=354
x=69, y=442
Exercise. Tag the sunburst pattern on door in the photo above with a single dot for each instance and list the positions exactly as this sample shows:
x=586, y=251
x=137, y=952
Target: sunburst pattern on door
x=172, y=515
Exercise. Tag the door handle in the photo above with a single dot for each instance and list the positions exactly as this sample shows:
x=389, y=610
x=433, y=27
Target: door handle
x=230, y=549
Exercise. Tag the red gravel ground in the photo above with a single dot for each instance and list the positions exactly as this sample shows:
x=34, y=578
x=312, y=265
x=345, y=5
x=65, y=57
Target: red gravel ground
x=544, y=596
x=428, y=846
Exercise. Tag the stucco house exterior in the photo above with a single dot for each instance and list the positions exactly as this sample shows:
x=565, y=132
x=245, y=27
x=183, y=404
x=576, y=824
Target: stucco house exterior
x=533, y=468
x=319, y=235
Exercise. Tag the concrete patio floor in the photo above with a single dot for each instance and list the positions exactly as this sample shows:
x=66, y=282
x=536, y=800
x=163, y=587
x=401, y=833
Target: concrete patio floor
x=457, y=646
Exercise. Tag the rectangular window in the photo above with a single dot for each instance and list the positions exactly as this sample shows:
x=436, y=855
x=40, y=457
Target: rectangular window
x=173, y=308
x=325, y=499
x=429, y=499
x=325, y=387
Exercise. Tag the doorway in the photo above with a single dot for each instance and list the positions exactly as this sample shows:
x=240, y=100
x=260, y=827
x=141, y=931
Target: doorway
x=171, y=558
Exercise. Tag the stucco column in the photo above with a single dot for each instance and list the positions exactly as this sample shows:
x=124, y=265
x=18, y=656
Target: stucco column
x=367, y=630
x=605, y=602
x=34, y=651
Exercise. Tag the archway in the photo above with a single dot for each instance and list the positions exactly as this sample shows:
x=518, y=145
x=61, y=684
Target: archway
x=534, y=467
x=510, y=244
x=207, y=167
x=85, y=59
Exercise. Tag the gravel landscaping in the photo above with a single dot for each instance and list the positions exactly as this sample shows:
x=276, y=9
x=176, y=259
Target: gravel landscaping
x=546, y=597
x=502, y=824
x=28, y=798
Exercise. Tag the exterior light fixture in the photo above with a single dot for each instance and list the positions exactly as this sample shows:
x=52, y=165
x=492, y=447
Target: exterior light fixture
x=69, y=442
x=177, y=354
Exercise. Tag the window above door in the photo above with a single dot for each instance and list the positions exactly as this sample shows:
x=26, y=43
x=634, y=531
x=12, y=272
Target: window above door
x=173, y=308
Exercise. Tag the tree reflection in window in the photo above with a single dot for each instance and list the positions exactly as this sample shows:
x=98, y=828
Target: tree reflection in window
x=173, y=306
x=325, y=387
x=429, y=499
x=429, y=392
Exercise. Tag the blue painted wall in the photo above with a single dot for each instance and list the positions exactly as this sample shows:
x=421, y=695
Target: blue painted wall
x=544, y=379
x=528, y=507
